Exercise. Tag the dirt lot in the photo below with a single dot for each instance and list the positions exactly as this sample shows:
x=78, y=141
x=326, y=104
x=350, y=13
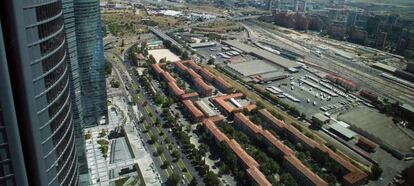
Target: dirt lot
x=130, y=23
x=380, y=126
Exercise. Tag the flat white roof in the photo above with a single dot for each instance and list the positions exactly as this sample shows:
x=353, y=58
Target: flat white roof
x=253, y=67
x=342, y=130
x=205, y=108
x=163, y=53
x=276, y=59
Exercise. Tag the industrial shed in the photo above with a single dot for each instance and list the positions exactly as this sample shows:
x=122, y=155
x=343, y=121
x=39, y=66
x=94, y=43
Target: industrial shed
x=342, y=131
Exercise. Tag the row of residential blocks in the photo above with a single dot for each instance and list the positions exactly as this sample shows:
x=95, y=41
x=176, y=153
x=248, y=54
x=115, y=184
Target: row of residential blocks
x=198, y=76
x=302, y=174
x=248, y=162
x=354, y=175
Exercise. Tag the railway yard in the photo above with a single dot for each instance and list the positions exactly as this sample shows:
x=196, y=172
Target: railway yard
x=327, y=84
x=239, y=92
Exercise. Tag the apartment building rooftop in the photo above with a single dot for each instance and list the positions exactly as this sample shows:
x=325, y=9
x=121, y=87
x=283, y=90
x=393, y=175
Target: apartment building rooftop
x=218, y=135
x=311, y=176
x=229, y=108
x=258, y=177
x=193, y=74
x=180, y=66
x=277, y=143
x=158, y=70
x=189, y=95
x=249, y=162
x=246, y=121
x=195, y=112
x=354, y=175
x=192, y=65
x=167, y=77
x=242, y=154
x=207, y=75
x=279, y=123
x=203, y=85
x=175, y=89
x=223, y=85
x=286, y=151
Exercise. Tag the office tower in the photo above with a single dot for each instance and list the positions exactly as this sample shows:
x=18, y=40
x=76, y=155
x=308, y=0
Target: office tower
x=35, y=98
x=351, y=19
x=75, y=87
x=72, y=57
x=381, y=39
x=295, y=5
x=392, y=19
x=91, y=62
x=302, y=6
x=13, y=171
x=269, y=5
x=373, y=25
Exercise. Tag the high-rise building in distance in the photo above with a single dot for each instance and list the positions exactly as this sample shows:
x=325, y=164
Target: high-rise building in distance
x=36, y=121
x=91, y=62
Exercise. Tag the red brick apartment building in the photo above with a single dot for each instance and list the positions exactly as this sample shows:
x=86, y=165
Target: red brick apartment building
x=223, y=102
x=196, y=114
x=251, y=166
x=302, y=174
x=354, y=175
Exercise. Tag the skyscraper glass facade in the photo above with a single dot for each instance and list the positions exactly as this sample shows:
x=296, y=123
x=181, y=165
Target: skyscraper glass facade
x=70, y=30
x=37, y=58
x=91, y=61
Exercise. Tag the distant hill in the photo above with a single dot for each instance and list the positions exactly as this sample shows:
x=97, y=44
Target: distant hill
x=392, y=2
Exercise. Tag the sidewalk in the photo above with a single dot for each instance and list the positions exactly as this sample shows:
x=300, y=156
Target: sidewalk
x=142, y=156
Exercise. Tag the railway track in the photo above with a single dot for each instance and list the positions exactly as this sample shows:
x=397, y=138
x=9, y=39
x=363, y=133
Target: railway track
x=385, y=87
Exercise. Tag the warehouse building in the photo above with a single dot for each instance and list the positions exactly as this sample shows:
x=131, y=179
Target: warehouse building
x=263, y=54
x=253, y=67
x=341, y=129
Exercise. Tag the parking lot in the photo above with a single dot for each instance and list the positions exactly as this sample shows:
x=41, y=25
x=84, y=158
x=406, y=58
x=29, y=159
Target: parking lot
x=215, y=51
x=308, y=99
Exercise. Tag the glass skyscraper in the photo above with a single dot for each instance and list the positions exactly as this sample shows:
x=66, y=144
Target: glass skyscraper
x=36, y=120
x=91, y=62
x=70, y=30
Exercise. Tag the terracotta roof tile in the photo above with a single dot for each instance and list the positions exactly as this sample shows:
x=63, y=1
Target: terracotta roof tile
x=311, y=176
x=158, y=70
x=167, y=77
x=258, y=177
x=195, y=112
x=246, y=158
x=175, y=89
